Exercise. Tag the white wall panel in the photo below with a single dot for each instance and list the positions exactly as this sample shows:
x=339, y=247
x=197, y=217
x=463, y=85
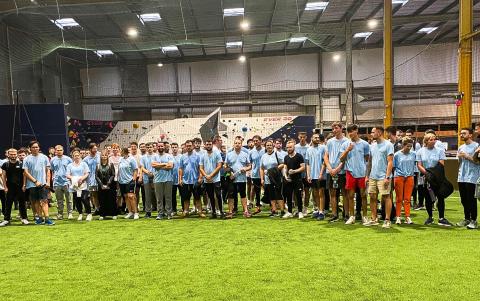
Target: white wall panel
x=285, y=72
x=100, y=112
x=105, y=81
x=161, y=80
x=367, y=67
x=333, y=70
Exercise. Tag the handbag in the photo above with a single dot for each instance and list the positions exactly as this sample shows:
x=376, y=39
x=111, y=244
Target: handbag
x=274, y=174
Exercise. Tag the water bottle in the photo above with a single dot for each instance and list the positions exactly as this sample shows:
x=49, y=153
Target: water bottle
x=335, y=181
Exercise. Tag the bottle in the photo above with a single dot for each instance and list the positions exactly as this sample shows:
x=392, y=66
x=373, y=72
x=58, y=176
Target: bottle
x=335, y=181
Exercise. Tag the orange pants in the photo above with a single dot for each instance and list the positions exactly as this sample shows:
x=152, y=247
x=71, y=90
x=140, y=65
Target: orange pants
x=403, y=192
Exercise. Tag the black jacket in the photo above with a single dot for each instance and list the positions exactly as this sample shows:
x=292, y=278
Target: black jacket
x=438, y=182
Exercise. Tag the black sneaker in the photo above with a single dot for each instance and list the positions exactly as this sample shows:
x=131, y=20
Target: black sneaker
x=214, y=216
x=272, y=214
x=444, y=222
x=429, y=221
x=358, y=216
x=148, y=215
x=333, y=219
x=95, y=213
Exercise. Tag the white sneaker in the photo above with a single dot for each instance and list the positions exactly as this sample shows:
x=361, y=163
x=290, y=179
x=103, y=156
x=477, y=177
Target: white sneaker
x=80, y=217
x=129, y=215
x=373, y=222
x=305, y=211
x=25, y=221
x=398, y=221
x=135, y=216
x=350, y=221
x=70, y=216
x=89, y=218
x=100, y=218
x=114, y=217
x=364, y=220
x=386, y=224
x=4, y=223
x=408, y=221
x=300, y=215
x=287, y=215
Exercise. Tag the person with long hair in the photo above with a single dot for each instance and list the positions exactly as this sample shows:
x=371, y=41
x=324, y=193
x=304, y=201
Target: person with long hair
x=127, y=175
x=404, y=166
x=105, y=175
x=77, y=173
x=114, y=158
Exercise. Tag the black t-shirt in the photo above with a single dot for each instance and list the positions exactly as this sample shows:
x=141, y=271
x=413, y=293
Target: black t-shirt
x=14, y=173
x=294, y=163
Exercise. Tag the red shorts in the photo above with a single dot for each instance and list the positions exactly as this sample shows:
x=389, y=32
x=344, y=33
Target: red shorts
x=354, y=183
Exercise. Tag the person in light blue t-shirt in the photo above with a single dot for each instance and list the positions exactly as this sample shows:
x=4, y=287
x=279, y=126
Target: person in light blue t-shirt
x=427, y=157
x=468, y=176
x=238, y=164
x=163, y=181
x=272, y=189
x=379, y=175
x=189, y=180
x=58, y=166
x=315, y=175
x=36, y=167
x=93, y=160
x=355, y=154
x=404, y=166
x=78, y=173
x=210, y=164
x=254, y=157
x=127, y=175
x=148, y=174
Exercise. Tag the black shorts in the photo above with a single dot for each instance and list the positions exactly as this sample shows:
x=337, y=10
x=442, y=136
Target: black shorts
x=127, y=188
x=305, y=183
x=186, y=191
x=273, y=192
x=237, y=188
x=342, y=181
x=318, y=184
x=37, y=193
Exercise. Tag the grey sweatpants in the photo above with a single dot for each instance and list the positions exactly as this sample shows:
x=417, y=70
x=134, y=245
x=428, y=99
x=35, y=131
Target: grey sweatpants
x=164, y=190
x=63, y=195
x=149, y=196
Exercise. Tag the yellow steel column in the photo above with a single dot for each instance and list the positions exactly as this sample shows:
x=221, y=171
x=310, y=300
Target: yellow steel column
x=465, y=64
x=387, y=63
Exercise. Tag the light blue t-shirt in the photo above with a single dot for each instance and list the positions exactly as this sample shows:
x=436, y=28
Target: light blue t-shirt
x=355, y=161
x=126, y=168
x=378, y=154
x=267, y=162
x=59, y=169
x=302, y=150
x=254, y=157
x=236, y=161
x=314, y=159
x=281, y=153
x=334, y=146
x=176, y=164
x=404, y=164
x=146, y=162
x=162, y=175
x=468, y=172
x=92, y=163
x=79, y=170
x=36, y=166
x=189, y=165
x=210, y=162
x=430, y=157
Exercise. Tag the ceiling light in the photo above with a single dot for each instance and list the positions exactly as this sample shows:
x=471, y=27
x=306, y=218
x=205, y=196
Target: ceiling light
x=363, y=35
x=336, y=57
x=159, y=65
x=132, y=32
x=298, y=39
x=102, y=53
x=316, y=5
x=233, y=12
x=154, y=17
x=244, y=25
x=169, y=48
x=242, y=59
x=427, y=30
x=372, y=23
x=402, y=2
x=237, y=44
x=65, y=22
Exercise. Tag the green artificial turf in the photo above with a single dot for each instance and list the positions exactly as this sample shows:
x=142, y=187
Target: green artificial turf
x=255, y=259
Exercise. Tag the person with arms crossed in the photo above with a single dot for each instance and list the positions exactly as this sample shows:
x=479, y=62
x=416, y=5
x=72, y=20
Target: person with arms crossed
x=210, y=164
x=188, y=179
x=162, y=181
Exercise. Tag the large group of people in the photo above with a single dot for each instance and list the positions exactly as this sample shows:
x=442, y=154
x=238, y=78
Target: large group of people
x=331, y=178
